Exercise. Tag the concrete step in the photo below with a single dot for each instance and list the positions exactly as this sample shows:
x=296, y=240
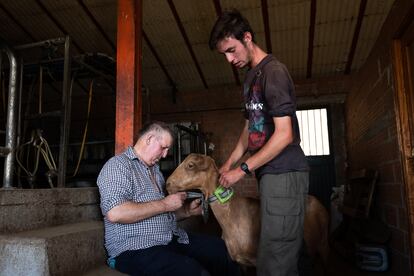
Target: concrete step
x=69, y=249
x=28, y=209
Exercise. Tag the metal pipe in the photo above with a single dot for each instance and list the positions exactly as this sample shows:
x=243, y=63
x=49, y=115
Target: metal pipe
x=19, y=107
x=40, y=88
x=11, y=117
x=87, y=143
x=1, y=80
x=92, y=69
x=45, y=43
x=179, y=146
x=65, y=119
x=19, y=118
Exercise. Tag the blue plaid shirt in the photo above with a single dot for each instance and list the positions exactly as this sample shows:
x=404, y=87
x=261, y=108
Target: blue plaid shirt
x=126, y=178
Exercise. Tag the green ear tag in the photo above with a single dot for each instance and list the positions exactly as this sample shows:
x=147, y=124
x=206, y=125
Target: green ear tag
x=223, y=195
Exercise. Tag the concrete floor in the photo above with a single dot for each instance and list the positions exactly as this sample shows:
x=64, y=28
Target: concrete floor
x=338, y=266
x=103, y=271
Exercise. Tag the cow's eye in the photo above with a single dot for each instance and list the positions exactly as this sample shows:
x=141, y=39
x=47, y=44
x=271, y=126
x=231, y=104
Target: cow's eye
x=190, y=165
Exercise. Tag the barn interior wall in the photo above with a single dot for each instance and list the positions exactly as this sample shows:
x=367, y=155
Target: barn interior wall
x=99, y=127
x=219, y=112
x=372, y=140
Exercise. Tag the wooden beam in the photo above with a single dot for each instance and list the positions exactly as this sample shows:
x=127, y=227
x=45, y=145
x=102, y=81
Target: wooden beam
x=311, y=38
x=128, y=118
x=11, y=16
x=265, y=15
x=338, y=84
x=163, y=68
x=96, y=23
x=187, y=41
x=57, y=23
x=218, y=9
x=358, y=25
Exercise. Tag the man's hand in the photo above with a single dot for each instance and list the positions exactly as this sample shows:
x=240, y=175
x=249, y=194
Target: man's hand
x=174, y=201
x=229, y=178
x=225, y=168
x=194, y=208
x=189, y=209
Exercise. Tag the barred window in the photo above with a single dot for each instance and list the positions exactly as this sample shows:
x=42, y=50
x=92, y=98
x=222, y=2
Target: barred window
x=313, y=125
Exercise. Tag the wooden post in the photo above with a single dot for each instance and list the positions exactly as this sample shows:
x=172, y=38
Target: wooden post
x=128, y=78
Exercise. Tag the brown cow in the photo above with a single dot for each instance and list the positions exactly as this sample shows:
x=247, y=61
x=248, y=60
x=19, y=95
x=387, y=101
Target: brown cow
x=239, y=218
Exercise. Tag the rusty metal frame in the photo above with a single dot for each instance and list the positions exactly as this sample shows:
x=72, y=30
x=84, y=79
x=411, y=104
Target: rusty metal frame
x=65, y=119
x=128, y=78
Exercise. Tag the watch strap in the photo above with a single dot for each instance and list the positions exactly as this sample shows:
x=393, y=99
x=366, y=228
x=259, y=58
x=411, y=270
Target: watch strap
x=245, y=168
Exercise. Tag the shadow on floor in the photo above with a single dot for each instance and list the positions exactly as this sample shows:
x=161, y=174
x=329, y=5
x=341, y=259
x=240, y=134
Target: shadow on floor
x=338, y=266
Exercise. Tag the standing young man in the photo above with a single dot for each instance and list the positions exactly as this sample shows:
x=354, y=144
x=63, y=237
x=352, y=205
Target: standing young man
x=271, y=135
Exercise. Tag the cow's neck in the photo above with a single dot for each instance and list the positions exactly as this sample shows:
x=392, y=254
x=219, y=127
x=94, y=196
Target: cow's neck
x=223, y=211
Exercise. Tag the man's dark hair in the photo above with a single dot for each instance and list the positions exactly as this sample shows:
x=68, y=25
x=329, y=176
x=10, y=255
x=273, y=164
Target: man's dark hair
x=155, y=126
x=230, y=23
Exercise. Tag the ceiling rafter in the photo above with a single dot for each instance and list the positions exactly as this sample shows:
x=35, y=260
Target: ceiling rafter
x=265, y=15
x=163, y=68
x=56, y=22
x=11, y=16
x=217, y=7
x=97, y=25
x=362, y=7
x=311, y=39
x=187, y=41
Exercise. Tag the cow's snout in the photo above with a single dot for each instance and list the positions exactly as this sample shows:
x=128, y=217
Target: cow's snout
x=169, y=186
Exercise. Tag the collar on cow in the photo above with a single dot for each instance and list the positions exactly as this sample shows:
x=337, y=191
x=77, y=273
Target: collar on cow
x=221, y=194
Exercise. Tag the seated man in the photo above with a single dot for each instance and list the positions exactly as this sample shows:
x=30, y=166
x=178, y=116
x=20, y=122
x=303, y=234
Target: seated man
x=141, y=233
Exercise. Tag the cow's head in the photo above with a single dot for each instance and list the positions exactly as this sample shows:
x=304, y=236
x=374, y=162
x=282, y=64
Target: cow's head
x=195, y=172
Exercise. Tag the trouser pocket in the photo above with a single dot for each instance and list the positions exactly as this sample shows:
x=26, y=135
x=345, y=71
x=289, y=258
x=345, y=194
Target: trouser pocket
x=281, y=218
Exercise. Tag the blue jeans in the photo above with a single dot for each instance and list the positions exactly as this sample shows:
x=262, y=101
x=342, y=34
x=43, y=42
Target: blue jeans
x=204, y=255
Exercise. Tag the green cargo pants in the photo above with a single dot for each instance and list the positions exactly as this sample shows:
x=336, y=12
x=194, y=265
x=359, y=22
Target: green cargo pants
x=283, y=202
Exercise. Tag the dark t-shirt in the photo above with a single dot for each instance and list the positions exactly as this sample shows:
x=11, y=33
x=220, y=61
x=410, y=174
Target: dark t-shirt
x=269, y=92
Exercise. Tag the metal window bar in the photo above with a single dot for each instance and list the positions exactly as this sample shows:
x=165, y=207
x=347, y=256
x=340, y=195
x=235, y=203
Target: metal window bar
x=313, y=125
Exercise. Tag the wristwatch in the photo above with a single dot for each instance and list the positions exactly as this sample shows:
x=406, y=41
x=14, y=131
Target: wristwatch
x=245, y=168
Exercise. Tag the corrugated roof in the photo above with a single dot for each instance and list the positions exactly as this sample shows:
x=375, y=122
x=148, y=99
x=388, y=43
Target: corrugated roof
x=92, y=27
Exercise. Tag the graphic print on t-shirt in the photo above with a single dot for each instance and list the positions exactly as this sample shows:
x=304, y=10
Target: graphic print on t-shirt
x=255, y=108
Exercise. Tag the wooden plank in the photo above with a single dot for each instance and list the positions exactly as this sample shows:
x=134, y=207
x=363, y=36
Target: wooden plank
x=403, y=131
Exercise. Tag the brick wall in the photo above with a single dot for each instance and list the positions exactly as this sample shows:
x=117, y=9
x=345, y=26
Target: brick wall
x=372, y=140
x=219, y=112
